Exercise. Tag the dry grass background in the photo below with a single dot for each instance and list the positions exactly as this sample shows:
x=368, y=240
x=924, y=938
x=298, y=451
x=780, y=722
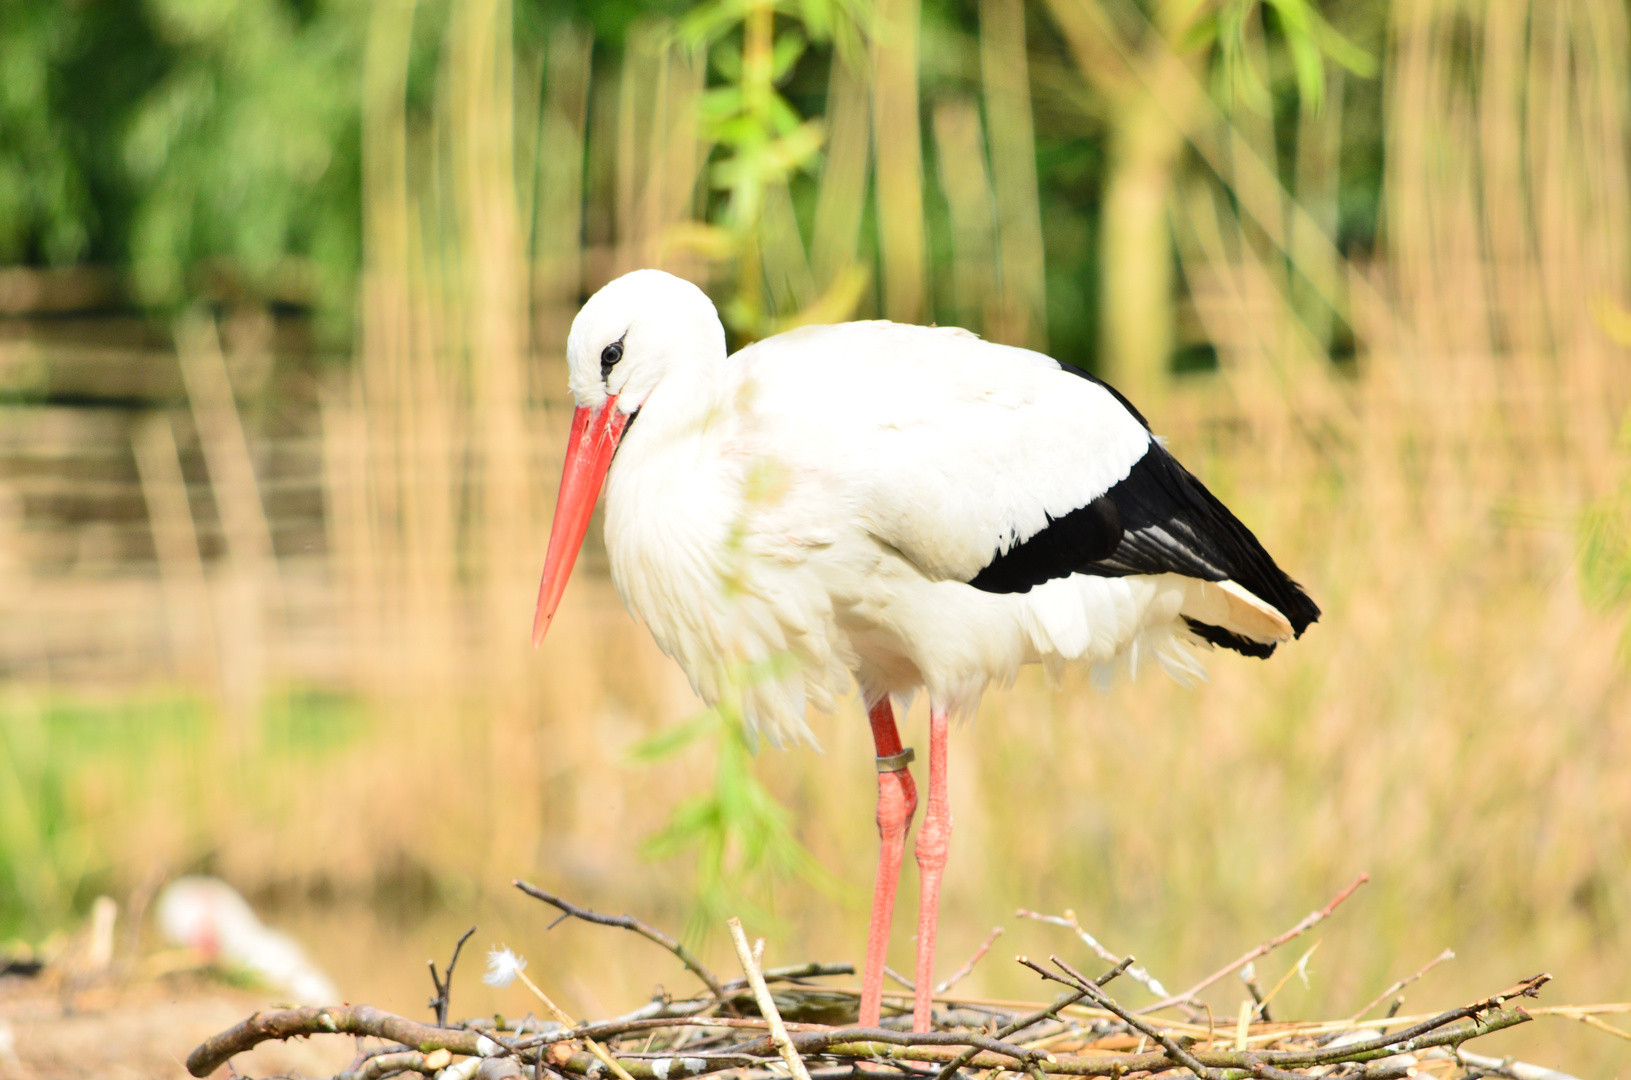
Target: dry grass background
x=1457, y=724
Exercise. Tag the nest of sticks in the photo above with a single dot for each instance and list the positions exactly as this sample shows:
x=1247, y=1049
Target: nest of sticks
x=780, y=1023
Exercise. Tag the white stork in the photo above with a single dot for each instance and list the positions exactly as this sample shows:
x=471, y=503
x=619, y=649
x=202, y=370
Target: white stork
x=907, y=506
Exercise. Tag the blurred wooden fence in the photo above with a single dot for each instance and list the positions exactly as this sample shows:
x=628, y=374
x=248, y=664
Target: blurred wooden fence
x=115, y=546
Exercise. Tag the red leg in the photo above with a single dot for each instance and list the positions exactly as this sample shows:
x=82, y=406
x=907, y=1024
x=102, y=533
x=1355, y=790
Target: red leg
x=897, y=799
x=933, y=842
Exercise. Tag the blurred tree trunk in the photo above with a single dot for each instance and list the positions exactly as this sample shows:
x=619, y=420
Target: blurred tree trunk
x=1136, y=310
x=899, y=157
x=1135, y=249
x=1021, y=300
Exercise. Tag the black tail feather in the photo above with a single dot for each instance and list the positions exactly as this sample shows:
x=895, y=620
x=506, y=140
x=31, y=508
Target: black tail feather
x=1174, y=525
x=1217, y=635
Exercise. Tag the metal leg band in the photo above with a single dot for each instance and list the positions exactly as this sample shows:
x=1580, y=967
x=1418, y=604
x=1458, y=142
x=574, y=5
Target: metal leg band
x=897, y=762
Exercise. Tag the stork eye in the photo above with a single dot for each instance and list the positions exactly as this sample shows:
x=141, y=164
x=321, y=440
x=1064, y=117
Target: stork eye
x=609, y=356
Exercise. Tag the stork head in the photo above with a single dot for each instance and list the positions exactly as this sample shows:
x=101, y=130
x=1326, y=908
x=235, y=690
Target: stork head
x=629, y=336
x=633, y=332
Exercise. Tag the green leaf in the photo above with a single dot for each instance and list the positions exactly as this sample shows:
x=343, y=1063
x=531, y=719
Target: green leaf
x=1200, y=34
x=1309, y=41
x=726, y=58
x=671, y=740
x=789, y=47
x=1343, y=51
x=740, y=838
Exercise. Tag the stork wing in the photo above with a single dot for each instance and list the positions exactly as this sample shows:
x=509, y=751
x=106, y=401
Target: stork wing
x=994, y=465
x=1164, y=521
x=949, y=449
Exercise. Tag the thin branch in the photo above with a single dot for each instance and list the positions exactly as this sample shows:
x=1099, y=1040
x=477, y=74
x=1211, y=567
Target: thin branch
x=607, y=1029
x=567, y=1022
x=1070, y=922
x=629, y=922
x=1308, y=922
x=767, y=1004
x=1410, y=1038
x=811, y=1041
x=821, y=1035
x=444, y=984
x=1447, y=954
x=1262, y=1006
x=382, y=1065
x=968, y=965
x=956, y=976
x=792, y=973
x=212, y=1053
x=1248, y=975
x=1587, y=1018
x=1519, y=1070
x=910, y=984
x=1168, y=1043
x=1051, y=1012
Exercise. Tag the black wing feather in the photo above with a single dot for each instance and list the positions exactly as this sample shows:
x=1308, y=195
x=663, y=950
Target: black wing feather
x=1082, y=537
x=1157, y=520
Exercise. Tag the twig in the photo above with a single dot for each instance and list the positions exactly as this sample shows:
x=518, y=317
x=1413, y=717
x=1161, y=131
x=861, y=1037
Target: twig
x=1243, y=1025
x=956, y=976
x=910, y=984
x=1308, y=922
x=767, y=1004
x=1263, y=1005
x=349, y=1020
x=444, y=984
x=899, y=1049
x=1033, y=1018
x=381, y=1065
x=814, y=1041
x=1587, y=1018
x=968, y=965
x=1520, y=1070
x=607, y=1029
x=1070, y=922
x=1248, y=975
x=1269, y=1072
x=792, y=973
x=567, y=1022
x=1168, y=1043
x=1400, y=1041
x=1574, y=1012
x=1447, y=954
x=629, y=922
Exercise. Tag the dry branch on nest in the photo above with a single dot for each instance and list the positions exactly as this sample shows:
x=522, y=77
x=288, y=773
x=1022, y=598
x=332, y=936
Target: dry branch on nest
x=1083, y=1032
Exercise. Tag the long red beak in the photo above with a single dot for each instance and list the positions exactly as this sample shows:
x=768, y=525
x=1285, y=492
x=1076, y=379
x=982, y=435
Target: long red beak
x=589, y=449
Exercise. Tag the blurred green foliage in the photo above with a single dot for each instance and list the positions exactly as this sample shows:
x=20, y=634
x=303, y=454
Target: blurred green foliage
x=74, y=773
x=1308, y=39
x=739, y=835
x=245, y=151
x=211, y=148
x=63, y=768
